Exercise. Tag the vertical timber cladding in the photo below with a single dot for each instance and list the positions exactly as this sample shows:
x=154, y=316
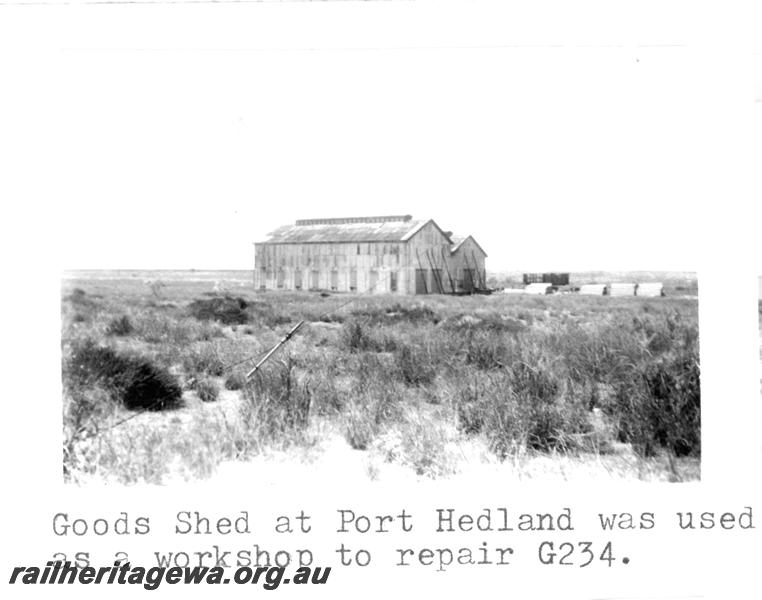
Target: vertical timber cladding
x=468, y=265
x=390, y=254
x=427, y=254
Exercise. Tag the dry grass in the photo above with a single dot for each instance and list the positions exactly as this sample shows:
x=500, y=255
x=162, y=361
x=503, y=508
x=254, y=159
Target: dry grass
x=435, y=387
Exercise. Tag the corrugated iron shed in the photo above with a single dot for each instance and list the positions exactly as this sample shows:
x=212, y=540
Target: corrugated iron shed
x=378, y=254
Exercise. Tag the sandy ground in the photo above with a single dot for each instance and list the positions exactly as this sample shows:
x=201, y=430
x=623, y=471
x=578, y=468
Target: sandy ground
x=325, y=458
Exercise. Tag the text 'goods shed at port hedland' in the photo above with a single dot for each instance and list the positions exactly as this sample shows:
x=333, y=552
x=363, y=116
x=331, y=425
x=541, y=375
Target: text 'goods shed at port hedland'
x=390, y=254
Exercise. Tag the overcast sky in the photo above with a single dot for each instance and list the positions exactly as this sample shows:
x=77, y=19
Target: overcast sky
x=181, y=144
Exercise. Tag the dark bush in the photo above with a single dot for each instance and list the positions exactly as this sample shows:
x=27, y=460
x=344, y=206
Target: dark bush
x=267, y=314
x=82, y=303
x=132, y=380
x=228, y=310
x=397, y=313
x=534, y=382
x=487, y=323
x=416, y=314
x=359, y=430
x=120, y=326
x=331, y=318
x=355, y=337
x=487, y=351
x=674, y=384
x=661, y=406
x=554, y=426
x=470, y=407
x=359, y=338
x=79, y=297
x=662, y=334
x=235, y=381
x=414, y=365
x=149, y=387
x=206, y=389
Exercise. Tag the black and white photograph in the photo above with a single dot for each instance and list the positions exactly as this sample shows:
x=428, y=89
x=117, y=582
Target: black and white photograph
x=402, y=298
x=397, y=263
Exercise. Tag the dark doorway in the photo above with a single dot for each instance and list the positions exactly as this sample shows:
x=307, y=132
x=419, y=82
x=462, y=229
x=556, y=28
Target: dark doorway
x=468, y=280
x=420, y=281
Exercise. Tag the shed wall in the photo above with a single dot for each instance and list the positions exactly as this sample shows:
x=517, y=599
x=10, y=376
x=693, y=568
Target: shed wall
x=467, y=264
x=329, y=266
x=427, y=251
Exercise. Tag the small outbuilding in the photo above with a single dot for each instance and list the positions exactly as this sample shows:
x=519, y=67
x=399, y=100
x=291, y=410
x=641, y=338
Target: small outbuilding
x=623, y=289
x=538, y=288
x=593, y=289
x=650, y=290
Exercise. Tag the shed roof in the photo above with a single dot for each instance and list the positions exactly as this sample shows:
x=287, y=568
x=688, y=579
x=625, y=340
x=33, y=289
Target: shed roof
x=349, y=230
x=394, y=228
x=458, y=240
x=345, y=231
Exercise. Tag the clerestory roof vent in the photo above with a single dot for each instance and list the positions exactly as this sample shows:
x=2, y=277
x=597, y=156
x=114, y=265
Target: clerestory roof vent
x=347, y=220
